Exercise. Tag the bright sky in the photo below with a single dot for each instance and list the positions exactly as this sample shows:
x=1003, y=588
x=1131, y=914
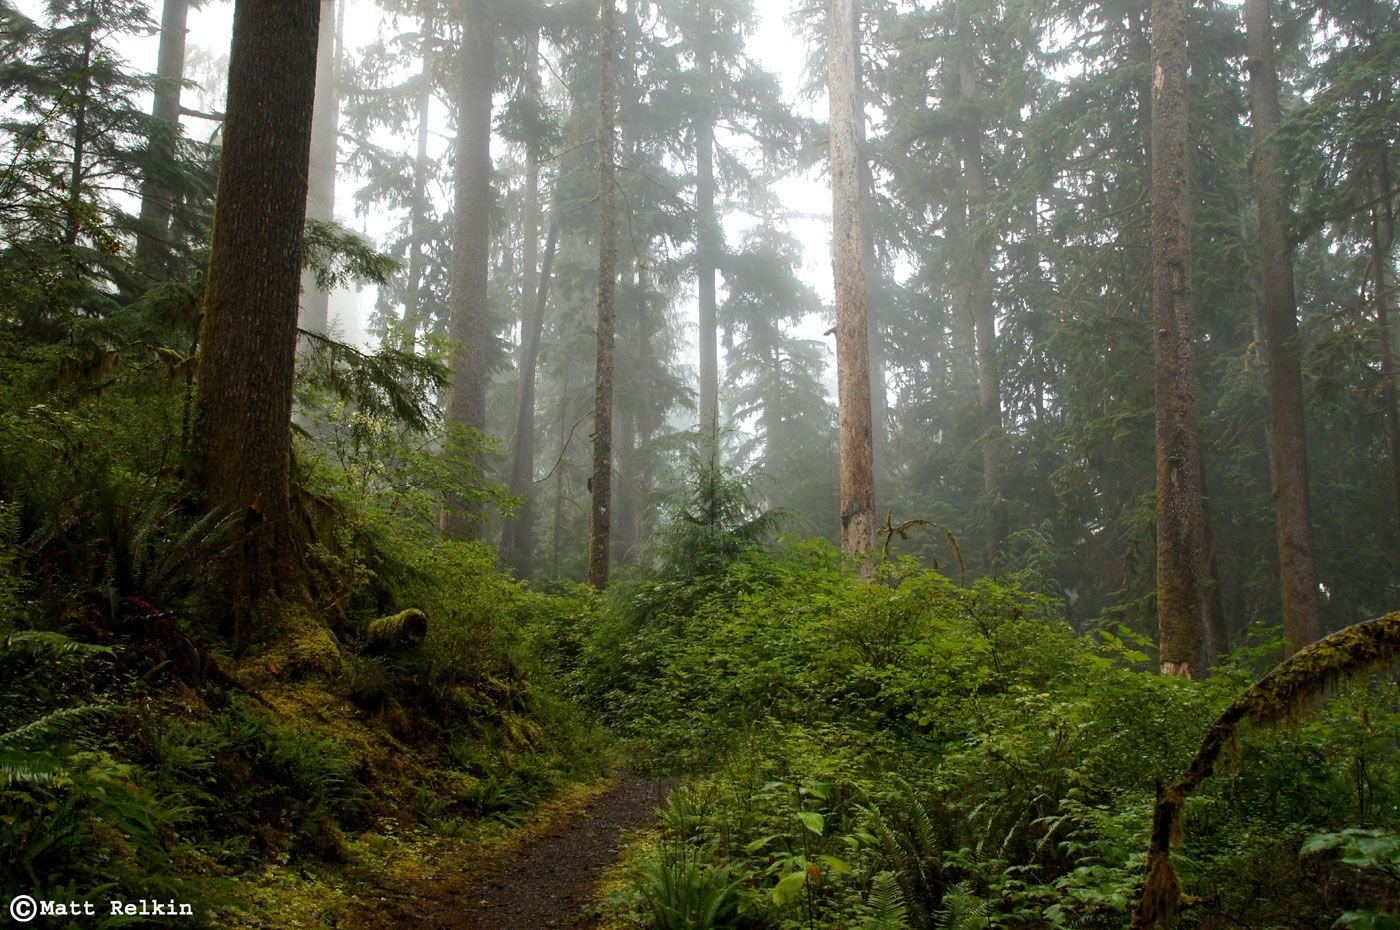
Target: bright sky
x=774, y=45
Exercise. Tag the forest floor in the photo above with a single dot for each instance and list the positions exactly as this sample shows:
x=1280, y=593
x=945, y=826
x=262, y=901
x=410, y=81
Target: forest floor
x=542, y=876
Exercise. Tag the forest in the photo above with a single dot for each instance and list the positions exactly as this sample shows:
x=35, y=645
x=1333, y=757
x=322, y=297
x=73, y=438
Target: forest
x=700, y=464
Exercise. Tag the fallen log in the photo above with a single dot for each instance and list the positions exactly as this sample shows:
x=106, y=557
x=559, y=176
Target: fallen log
x=396, y=633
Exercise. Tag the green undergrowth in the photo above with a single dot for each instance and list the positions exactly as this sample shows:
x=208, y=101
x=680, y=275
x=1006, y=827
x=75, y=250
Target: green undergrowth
x=918, y=753
x=143, y=755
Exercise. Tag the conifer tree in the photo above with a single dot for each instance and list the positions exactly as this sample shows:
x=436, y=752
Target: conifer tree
x=249, y=330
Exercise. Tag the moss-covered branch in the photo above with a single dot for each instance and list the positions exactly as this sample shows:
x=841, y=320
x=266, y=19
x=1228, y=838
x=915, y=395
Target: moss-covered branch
x=1282, y=694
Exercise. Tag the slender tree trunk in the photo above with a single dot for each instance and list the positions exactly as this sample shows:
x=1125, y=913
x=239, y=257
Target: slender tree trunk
x=564, y=395
x=1381, y=238
x=706, y=233
x=248, y=335
x=1288, y=447
x=471, y=251
x=599, y=527
x=983, y=306
x=320, y=195
x=874, y=292
x=515, y=533
x=1181, y=549
x=152, y=245
x=517, y=542
x=413, y=304
x=857, y=465
x=77, y=169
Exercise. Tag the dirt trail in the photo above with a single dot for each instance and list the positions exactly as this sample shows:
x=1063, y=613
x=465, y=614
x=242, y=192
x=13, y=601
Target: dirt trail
x=543, y=883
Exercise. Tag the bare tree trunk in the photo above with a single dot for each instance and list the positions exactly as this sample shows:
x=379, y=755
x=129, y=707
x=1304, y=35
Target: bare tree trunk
x=706, y=232
x=1382, y=236
x=249, y=330
x=559, y=467
x=857, y=465
x=1288, y=447
x=413, y=304
x=874, y=293
x=77, y=171
x=1181, y=549
x=320, y=195
x=471, y=251
x=517, y=541
x=983, y=306
x=599, y=527
x=152, y=246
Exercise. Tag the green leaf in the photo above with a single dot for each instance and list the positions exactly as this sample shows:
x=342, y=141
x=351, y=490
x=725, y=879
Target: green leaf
x=789, y=888
x=812, y=821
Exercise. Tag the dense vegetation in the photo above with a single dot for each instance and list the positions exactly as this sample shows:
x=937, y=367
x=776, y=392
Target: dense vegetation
x=259, y=651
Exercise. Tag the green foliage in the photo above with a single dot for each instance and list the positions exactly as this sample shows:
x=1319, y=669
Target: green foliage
x=961, y=742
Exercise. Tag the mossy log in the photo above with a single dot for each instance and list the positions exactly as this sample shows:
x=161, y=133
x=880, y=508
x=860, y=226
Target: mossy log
x=403, y=630
x=1283, y=694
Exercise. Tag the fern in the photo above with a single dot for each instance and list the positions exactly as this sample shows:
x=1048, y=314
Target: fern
x=886, y=901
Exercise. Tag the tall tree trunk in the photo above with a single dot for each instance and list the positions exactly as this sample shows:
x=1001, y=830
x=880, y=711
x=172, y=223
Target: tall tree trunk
x=1288, y=447
x=517, y=541
x=320, y=194
x=857, y=466
x=249, y=330
x=706, y=231
x=564, y=437
x=874, y=292
x=152, y=245
x=1382, y=237
x=601, y=511
x=471, y=251
x=515, y=533
x=1181, y=549
x=413, y=303
x=77, y=169
x=983, y=306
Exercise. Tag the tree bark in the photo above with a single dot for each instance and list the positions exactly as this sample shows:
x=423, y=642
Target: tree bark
x=320, y=194
x=857, y=467
x=1181, y=548
x=874, y=292
x=600, y=513
x=471, y=251
x=249, y=330
x=152, y=245
x=1302, y=621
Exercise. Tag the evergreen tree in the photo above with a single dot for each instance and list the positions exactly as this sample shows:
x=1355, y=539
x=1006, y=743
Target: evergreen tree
x=249, y=333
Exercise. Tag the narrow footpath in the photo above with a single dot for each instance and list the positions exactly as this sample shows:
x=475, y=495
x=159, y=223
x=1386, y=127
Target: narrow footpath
x=546, y=882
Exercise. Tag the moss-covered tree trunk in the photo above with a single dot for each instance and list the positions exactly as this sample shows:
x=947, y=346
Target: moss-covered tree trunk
x=1181, y=545
x=153, y=230
x=1288, y=446
x=249, y=330
x=600, y=515
x=471, y=249
x=857, y=466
